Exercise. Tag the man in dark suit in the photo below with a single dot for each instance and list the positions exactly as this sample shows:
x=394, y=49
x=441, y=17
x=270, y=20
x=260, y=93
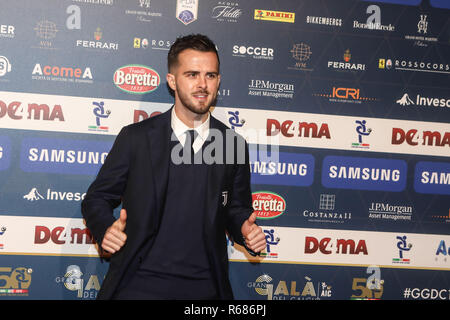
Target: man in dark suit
x=170, y=239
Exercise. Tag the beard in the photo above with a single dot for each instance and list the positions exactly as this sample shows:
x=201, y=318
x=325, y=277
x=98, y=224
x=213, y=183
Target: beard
x=197, y=107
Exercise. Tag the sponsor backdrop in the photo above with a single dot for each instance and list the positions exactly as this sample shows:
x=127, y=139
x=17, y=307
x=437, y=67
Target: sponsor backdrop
x=345, y=105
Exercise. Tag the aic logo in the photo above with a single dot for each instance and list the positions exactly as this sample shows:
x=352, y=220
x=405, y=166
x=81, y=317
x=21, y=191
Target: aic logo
x=341, y=246
x=137, y=79
x=402, y=247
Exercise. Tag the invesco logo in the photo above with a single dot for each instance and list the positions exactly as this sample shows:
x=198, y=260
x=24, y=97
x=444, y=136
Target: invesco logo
x=137, y=79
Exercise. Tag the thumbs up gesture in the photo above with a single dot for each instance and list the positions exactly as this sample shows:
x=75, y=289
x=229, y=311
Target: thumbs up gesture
x=115, y=237
x=254, y=236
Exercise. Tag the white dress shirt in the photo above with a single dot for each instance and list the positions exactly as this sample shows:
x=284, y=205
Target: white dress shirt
x=179, y=129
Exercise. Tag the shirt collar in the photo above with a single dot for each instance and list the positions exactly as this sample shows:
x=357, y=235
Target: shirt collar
x=179, y=128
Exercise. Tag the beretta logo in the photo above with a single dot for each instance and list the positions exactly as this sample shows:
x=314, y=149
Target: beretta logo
x=137, y=79
x=268, y=205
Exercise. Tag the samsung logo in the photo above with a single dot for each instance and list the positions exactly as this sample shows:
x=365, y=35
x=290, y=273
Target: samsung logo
x=296, y=169
x=364, y=173
x=63, y=155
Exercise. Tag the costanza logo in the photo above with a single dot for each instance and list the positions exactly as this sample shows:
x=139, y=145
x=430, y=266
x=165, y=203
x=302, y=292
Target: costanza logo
x=97, y=45
x=7, y=31
x=291, y=169
x=254, y=52
x=64, y=156
x=405, y=100
x=327, y=212
x=337, y=246
x=364, y=173
x=345, y=95
x=136, y=79
x=278, y=16
x=62, y=74
x=346, y=65
x=326, y=21
x=268, y=205
x=16, y=111
x=267, y=88
x=301, y=129
x=413, y=137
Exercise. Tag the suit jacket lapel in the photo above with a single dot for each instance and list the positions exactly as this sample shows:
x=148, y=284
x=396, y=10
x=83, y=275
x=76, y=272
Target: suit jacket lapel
x=159, y=144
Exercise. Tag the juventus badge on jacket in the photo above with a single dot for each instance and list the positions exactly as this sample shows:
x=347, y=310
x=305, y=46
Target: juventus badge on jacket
x=225, y=198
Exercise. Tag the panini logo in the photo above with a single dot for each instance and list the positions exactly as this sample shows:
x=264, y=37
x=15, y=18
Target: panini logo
x=278, y=16
x=136, y=79
x=268, y=205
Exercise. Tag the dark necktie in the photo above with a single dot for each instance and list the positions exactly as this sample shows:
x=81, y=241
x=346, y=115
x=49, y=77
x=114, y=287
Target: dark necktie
x=188, y=144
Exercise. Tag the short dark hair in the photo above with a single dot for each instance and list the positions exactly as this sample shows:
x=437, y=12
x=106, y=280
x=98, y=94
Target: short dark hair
x=193, y=41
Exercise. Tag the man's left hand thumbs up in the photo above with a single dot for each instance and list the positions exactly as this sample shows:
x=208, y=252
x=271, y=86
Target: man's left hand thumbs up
x=254, y=236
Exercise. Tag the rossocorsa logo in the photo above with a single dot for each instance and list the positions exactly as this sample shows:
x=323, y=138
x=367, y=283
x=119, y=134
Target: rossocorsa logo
x=66, y=156
x=137, y=79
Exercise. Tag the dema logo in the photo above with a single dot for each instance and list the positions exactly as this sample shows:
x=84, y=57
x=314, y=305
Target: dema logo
x=64, y=156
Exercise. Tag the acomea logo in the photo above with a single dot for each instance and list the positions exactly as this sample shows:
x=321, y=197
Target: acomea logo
x=136, y=79
x=268, y=205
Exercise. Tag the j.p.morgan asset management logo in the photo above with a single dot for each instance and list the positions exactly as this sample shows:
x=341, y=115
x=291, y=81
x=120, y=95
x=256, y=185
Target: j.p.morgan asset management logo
x=136, y=79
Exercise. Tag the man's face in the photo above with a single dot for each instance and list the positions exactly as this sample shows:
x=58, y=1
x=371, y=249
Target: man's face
x=195, y=80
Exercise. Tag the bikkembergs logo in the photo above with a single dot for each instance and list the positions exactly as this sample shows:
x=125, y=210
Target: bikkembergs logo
x=136, y=79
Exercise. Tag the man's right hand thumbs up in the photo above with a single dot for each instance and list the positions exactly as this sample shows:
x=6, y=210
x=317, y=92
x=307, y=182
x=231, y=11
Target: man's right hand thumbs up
x=115, y=236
